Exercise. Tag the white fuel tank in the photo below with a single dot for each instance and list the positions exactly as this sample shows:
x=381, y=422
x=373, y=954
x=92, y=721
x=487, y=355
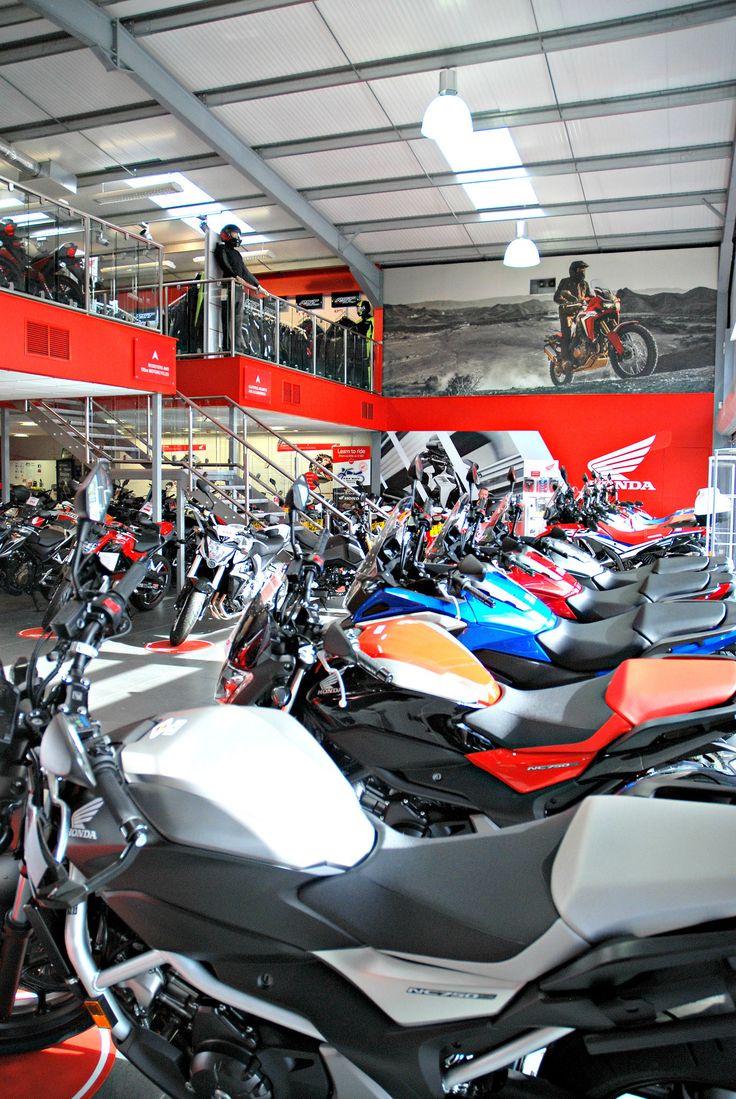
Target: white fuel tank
x=250, y=782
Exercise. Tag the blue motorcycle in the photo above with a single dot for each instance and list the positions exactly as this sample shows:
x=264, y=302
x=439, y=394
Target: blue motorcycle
x=511, y=631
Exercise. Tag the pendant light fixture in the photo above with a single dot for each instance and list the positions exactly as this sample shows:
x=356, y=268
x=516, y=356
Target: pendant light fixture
x=447, y=118
x=521, y=252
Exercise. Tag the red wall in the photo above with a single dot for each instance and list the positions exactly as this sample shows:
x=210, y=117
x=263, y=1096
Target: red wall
x=578, y=427
x=81, y=348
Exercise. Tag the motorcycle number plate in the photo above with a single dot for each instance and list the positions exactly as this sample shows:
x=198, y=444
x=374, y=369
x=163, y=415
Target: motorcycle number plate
x=109, y=560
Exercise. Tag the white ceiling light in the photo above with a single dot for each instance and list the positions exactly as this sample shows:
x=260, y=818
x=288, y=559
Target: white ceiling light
x=521, y=252
x=255, y=254
x=131, y=193
x=448, y=116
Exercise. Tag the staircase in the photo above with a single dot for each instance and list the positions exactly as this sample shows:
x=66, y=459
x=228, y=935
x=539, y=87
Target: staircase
x=89, y=430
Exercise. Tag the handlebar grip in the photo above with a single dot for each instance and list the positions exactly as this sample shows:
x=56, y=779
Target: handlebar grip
x=126, y=815
x=133, y=577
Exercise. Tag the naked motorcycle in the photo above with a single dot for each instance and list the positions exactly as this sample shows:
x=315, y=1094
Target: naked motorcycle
x=210, y=885
x=600, y=337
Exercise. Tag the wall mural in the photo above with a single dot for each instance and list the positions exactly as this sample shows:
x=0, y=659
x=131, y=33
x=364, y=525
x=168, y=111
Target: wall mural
x=505, y=344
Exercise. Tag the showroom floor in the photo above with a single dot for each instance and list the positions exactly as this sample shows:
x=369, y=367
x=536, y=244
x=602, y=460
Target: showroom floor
x=129, y=683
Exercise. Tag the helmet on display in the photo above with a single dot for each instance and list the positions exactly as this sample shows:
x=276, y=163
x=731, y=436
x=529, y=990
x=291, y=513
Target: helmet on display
x=364, y=308
x=230, y=234
x=577, y=268
x=69, y=250
x=8, y=229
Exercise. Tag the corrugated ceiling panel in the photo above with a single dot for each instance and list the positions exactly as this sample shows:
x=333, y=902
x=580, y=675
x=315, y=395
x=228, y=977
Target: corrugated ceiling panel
x=307, y=114
x=347, y=165
x=265, y=219
x=657, y=179
x=679, y=126
x=384, y=28
x=147, y=139
x=21, y=32
x=73, y=151
x=440, y=236
x=251, y=47
x=556, y=228
x=70, y=83
x=558, y=188
x=698, y=55
x=568, y=13
x=428, y=156
x=392, y=204
x=456, y=198
x=15, y=108
x=522, y=82
x=298, y=249
x=545, y=142
x=493, y=232
x=125, y=9
x=226, y=182
x=652, y=221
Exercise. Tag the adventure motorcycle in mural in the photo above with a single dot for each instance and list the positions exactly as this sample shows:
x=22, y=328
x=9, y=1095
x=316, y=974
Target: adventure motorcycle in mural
x=599, y=337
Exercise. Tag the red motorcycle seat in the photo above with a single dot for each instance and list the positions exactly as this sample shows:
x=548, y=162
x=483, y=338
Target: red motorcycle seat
x=641, y=690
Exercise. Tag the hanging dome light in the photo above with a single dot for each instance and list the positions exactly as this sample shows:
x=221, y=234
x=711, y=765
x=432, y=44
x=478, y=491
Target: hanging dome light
x=521, y=252
x=448, y=116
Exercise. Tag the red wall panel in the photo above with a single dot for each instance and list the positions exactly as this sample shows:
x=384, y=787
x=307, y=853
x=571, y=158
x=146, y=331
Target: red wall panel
x=44, y=339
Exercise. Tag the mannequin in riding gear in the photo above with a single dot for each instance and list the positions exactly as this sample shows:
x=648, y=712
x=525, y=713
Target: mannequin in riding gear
x=14, y=260
x=232, y=266
x=569, y=291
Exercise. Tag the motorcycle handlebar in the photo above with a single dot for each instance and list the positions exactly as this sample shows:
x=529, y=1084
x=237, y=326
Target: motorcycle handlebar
x=133, y=577
x=107, y=776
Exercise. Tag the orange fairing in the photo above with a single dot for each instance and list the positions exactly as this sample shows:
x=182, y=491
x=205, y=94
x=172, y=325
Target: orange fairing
x=642, y=690
x=428, y=648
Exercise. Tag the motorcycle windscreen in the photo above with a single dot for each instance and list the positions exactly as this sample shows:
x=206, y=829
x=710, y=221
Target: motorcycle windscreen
x=423, y=657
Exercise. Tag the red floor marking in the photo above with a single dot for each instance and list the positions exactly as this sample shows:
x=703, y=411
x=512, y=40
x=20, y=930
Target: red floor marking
x=192, y=646
x=75, y=1069
x=34, y=631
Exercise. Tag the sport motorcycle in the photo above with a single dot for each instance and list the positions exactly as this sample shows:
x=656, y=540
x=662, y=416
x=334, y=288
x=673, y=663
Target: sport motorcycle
x=600, y=337
x=210, y=885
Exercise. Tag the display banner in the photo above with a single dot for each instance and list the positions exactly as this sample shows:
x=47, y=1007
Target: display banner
x=309, y=301
x=175, y=448
x=305, y=446
x=346, y=299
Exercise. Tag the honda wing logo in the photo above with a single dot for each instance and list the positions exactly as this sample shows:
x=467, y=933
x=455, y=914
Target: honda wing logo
x=620, y=463
x=81, y=818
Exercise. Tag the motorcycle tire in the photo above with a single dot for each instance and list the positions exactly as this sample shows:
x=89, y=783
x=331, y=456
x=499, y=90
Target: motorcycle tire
x=632, y=333
x=560, y=373
x=61, y=595
x=187, y=618
x=691, y=1068
x=154, y=586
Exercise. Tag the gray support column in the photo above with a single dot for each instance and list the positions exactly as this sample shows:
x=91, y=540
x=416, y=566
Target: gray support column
x=5, y=453
x=725, y=375
x=376, y=462
x=156, y=430
x=180, y=532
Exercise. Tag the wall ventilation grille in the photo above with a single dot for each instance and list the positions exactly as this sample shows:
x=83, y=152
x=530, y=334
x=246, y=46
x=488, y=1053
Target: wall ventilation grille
x=292, y=393
x=366, y=410
x=42, y=339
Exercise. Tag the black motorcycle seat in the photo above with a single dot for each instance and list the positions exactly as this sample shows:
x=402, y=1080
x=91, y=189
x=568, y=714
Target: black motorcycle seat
x=663, y=620
x=553, y=715
x=479, y=898
x=50, y=536
x=306, y=538
x=691, y=562
x=267, y=548
x=271, y=539
x=593, y=646
x=679, y=583
x=146, y=539
x=590, y=605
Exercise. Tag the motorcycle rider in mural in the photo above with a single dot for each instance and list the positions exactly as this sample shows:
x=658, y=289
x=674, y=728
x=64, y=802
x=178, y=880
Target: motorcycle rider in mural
x=232, y=266
x=570, y=292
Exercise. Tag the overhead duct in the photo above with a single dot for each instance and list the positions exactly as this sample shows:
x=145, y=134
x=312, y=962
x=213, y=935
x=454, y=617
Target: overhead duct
x=52, y=179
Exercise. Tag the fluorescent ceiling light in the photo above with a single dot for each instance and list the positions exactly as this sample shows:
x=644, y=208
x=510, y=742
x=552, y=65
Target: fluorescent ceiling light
x=134, y=191
x=56, y=231
x=26, y=423
x=521, y=252
x=29, y=219
x=8, y=203
x=256, y=253
x=448, y=115
x=20, y=434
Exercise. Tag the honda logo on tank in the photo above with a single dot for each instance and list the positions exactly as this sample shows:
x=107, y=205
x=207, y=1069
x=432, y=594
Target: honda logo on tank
x=620, y=464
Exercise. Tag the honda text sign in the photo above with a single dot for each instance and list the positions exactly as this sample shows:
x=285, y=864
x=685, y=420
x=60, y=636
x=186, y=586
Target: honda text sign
x=621, y=464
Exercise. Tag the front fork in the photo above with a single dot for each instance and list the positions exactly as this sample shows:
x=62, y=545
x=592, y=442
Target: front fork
x=16, y=933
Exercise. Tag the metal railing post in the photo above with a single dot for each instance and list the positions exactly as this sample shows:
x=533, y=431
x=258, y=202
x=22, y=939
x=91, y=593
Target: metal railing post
x=156, y=424
x=345, y=356
x=180, y=534
x=87, y=430
x=277, y=333
x=5, y=453
x=314, y=345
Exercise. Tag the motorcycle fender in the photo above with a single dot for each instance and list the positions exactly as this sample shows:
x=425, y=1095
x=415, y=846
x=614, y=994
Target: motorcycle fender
x=615, y=341
x=203, y=585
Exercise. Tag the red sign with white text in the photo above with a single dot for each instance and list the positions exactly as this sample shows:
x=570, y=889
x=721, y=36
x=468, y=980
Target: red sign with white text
x=351, y=453
x=153, y=358
x=172, y=447
x=257, y=382
x=307, y=446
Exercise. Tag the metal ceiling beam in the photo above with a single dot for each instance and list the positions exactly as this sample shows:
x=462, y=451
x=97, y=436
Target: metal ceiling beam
x=563, y=246
x=120, y=50
x=482, y=120
x=126, y=213
x=527, y=45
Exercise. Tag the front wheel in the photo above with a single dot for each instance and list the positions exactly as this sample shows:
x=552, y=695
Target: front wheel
x=560, y=372
x=691, y=1069
x=639, y=357
x=191, y=611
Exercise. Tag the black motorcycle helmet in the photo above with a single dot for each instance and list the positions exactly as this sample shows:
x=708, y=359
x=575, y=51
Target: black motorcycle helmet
x=8, y=232
x=230, y=234
x=578, y=267
x=364, y=309
x=67, y=250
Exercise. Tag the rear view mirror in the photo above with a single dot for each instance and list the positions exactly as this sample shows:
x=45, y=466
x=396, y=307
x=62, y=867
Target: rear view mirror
x=473, y=474
x=419, y=467
x=298, y=494
x=95, y=492
x=511, y=476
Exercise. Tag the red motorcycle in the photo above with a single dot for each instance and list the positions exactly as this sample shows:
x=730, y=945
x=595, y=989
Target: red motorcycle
x=107, y=554
x=599, y=337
